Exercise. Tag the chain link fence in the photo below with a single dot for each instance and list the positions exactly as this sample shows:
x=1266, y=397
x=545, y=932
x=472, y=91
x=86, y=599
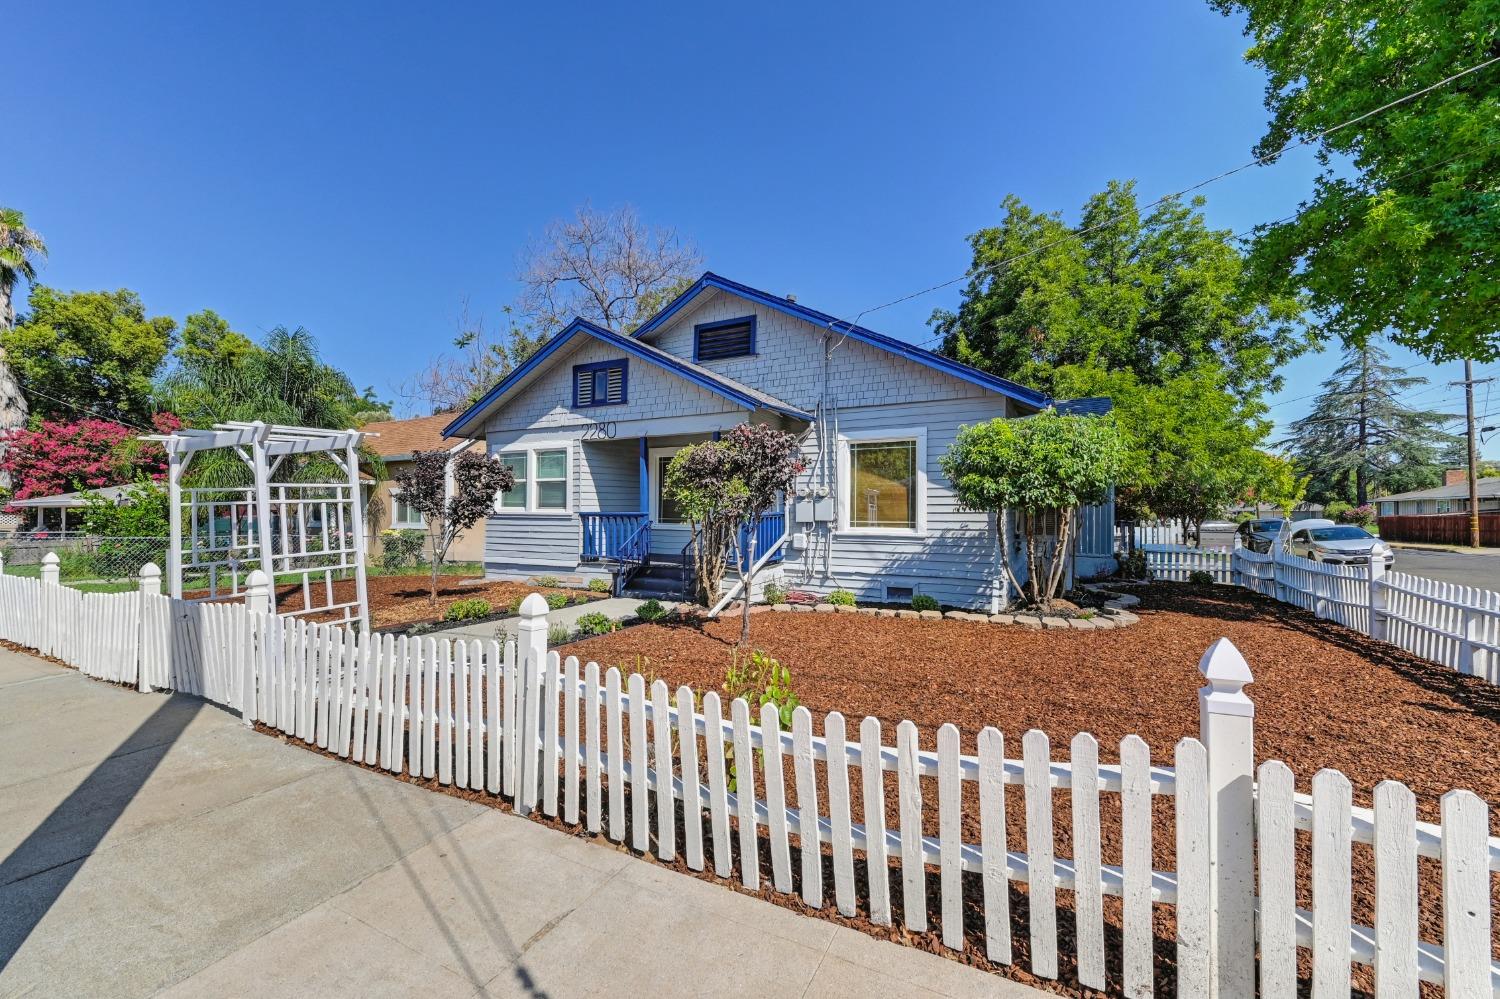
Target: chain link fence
x=83, y=558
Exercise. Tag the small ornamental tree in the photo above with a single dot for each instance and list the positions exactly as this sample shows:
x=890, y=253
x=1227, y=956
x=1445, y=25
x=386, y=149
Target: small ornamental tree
x=58, y=456
x=727, y=484
x=476, y=479
x=1041, y=469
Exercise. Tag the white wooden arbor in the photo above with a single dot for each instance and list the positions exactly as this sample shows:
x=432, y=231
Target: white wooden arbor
x=303, y=529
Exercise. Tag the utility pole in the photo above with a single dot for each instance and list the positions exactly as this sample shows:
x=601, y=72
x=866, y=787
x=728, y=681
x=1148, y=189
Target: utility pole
x=1473, y=432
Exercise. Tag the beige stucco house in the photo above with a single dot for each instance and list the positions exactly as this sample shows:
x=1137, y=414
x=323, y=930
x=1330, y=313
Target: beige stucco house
x=397, y=441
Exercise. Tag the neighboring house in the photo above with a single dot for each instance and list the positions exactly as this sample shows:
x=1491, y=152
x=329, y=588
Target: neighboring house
x=591, y=420
x=1451, y=497
x=397, y=441
x=51, y=513
x=1302, y=511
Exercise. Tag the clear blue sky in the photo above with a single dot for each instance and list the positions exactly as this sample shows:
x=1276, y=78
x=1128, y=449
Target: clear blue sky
x=360, y=169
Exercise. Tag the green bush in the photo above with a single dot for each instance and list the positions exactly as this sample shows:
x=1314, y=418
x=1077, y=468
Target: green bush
x=761, y=680
x=545, y=581
x=650, y=610
x=775, y=593
x=1337, y=510
x=841, y=598
x=559, y=634
x=1133, y=566
x=514, y=607
x=595, y=624
x=1201, y=577
x=923, y=602
x=468, y=609
x=401, y=549
x=598, y=585
x=557, y=601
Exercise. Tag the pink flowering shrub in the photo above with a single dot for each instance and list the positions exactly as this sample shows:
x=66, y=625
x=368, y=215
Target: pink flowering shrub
x=58, y=456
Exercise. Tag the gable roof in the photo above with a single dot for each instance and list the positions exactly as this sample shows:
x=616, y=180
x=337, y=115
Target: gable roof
x=911, y=352
x=399, y=438
x=728, y=388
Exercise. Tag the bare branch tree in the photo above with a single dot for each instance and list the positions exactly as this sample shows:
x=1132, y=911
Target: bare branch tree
x=481, y=357
x=608, y=267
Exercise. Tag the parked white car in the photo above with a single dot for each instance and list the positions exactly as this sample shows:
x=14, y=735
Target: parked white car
x=1336, y=544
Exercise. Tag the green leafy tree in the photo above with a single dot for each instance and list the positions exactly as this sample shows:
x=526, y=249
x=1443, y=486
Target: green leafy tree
x=1155, y=293
x=1041, y=469
x=93, y=352
x=21, y=247
x=1361, y=439
x=1278, y=484
x=143, y=512
x=1400, y=230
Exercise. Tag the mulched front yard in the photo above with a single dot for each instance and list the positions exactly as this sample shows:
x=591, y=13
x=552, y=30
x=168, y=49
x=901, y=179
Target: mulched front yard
x=403, y=600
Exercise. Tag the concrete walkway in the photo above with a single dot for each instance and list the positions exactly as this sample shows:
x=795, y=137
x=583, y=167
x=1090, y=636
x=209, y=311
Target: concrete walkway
x=615, y=608
x=153, y=845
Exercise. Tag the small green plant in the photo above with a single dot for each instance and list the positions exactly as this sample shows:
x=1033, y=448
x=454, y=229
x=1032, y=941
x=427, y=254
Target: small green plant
x=1085, y=614
x=557, y=601
x=598, y=585
x=468, y=609
x=841, y=598
x=923, y=602
x=401, y=549
x=760, y=680
x=1201, y=577
x=559, y=634
x=650, y=610
x=546, y=581
x=595, y=624
x=514, y=606
x=775, y=593
x=1133, y=566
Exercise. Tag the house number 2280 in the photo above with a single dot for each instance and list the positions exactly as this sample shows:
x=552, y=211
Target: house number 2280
x=599, y=431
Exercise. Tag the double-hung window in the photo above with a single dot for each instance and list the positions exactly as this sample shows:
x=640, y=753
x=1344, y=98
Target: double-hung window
x=883, y=481
x=602, y=383
x=541, y=480
x=403, y=514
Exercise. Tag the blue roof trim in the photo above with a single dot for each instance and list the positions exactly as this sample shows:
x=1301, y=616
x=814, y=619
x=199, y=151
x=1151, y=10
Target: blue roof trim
x=1094, y=405
x=919, y=355
x=644, y=351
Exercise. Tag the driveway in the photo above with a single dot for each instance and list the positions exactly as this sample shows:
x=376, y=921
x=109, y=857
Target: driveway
x=153, y=845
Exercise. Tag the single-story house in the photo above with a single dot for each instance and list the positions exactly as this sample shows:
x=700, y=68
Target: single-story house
x=591, y=420
x=1450, y=498
x=49, y=514
x=1302, y=511
x=396, y=441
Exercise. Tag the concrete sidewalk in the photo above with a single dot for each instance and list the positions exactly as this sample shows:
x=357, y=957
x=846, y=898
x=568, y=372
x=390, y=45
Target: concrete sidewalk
x=614, y=608
x=154, y=845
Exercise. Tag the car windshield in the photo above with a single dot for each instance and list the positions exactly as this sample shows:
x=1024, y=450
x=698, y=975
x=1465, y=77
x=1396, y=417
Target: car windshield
x=1341, y=534
x=1265, y=526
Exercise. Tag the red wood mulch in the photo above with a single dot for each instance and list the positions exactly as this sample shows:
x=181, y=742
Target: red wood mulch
x=401, y=600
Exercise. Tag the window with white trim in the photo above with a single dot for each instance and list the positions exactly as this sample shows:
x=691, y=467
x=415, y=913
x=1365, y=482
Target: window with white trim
x=883, y=481
x=515, y=499
x=403, y=514
x=551, y=479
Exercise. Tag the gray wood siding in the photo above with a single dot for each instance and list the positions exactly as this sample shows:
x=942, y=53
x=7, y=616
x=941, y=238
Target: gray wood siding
x=955, y=560
x=531, y=540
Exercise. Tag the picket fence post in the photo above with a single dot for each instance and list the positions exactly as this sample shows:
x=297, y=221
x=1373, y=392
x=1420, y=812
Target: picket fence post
x=531, y=649
x=1376, y=584
x=149, y=583
x=257, y=601
x=51, y=573
x=1226, y=726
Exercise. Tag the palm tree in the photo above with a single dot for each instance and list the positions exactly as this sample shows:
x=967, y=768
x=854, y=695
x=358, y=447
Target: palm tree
x=20, y=247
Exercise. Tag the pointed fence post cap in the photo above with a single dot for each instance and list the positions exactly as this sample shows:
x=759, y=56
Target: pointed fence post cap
x=1224, y=667
x=50, y=558
x=257, y=578
x=534, y=606
x=150, y=570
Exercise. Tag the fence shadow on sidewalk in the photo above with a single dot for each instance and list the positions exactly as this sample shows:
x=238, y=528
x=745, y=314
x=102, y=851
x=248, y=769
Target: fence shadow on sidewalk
x=54, y=852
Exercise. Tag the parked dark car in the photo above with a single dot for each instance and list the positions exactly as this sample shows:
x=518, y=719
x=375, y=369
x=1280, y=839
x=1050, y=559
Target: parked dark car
x=1260, y=535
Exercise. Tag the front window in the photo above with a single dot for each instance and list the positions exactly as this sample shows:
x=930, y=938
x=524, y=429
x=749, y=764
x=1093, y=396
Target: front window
x=883, y=484
x=515, y=499
x=552, y=479
x=667, y=509
x=404, y=514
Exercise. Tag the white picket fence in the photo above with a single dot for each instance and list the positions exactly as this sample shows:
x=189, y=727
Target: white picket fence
x=1177, y=563
x=1456, y=626
x=573, y=741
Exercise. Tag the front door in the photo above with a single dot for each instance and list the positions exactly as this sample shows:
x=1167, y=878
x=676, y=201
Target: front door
x=669, y=532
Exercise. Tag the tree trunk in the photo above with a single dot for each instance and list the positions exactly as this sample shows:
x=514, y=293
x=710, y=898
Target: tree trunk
x=747, y=580
x=1361, y=485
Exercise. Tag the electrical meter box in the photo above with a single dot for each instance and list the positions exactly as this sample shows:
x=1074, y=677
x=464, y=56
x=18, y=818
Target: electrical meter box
x=802, y=511
x=823, y=509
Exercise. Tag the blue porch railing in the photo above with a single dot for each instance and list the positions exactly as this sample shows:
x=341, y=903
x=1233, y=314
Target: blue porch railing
x=767, y=533
x=615, y=536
